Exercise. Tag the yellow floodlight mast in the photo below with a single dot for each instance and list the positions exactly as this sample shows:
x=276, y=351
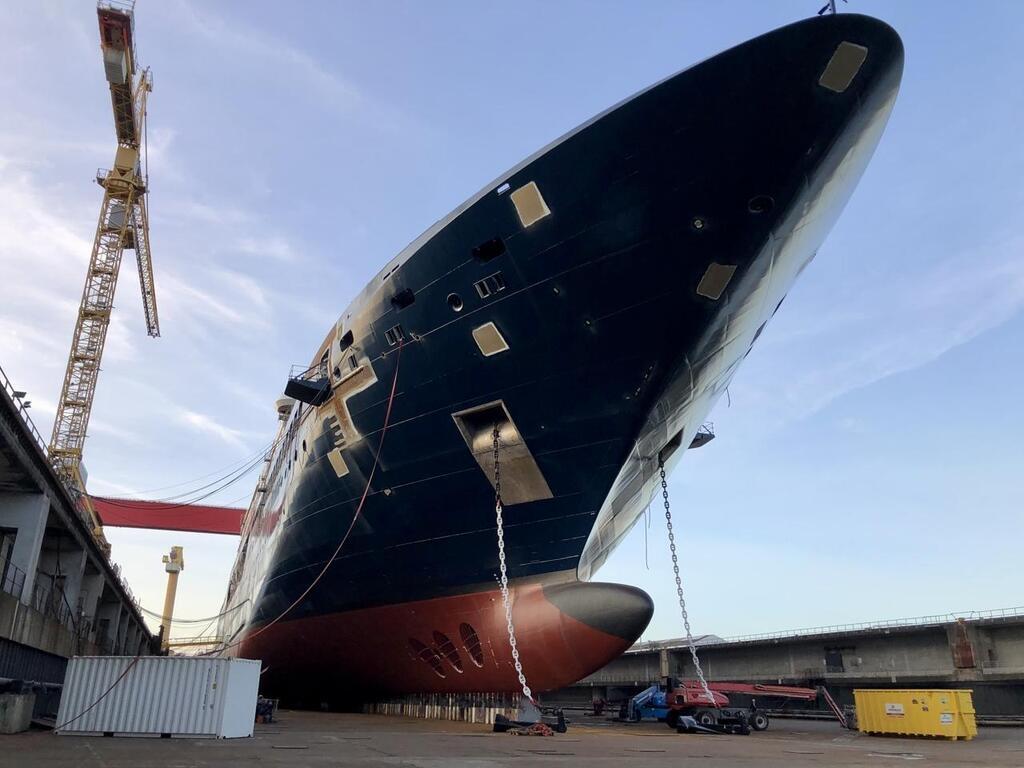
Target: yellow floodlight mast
x=123, y=223
x=174, y=563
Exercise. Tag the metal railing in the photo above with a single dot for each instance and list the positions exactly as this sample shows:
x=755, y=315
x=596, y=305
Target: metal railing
x=22, y=411
x=12, y=578
x=116, y=568
x=124, y=6
x=1016, y=612
x=309, y=372
x=50, y=601
x=916, y=621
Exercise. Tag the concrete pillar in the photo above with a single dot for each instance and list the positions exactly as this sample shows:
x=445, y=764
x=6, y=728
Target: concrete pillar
x=63, y=561
x=109, y=611
x=676, y=665
x=130, y=638
x=91, y=590
x=985, y=645
x=140, y=644
x=122, y=630
x=26, y=514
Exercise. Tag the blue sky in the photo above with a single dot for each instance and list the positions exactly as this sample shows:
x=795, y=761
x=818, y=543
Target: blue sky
x=870, y=462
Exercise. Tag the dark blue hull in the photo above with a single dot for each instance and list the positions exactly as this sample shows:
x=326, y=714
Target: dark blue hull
x=676, y=222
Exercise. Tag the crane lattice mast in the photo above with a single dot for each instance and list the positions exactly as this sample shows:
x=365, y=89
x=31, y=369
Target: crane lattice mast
x=123, y=223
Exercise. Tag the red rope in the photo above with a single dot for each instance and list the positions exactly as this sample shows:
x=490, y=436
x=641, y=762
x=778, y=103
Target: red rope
x=351, y=525
x=300, y=598
x=92, y=706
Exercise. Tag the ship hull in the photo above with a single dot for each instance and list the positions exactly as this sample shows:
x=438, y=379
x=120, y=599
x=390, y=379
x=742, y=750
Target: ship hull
x=453, y=644
x=626, y=270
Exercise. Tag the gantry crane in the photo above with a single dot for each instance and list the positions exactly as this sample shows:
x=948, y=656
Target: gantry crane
x=123, y=223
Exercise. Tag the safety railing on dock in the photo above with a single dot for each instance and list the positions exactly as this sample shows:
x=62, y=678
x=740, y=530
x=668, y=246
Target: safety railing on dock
x=996, y=614
x=916, y=621
x=18, y=398
x=12, y=578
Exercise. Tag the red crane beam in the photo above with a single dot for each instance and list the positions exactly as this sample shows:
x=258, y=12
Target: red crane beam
x=155, y=515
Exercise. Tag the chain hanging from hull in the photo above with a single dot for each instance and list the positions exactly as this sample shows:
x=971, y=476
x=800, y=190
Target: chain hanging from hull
x=679, y=585
x=505, y=598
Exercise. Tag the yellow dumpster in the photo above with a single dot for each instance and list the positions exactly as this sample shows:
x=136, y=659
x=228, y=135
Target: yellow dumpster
x=945, y=713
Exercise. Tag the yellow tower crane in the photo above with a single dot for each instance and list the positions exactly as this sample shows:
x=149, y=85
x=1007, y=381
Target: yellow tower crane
x=123, y=223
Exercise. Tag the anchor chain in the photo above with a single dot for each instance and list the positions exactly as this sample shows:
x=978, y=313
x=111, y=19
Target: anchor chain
x=503, y=570
x=679, y=584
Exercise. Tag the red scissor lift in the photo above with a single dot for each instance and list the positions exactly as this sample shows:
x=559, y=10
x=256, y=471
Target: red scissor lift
x=686, y=699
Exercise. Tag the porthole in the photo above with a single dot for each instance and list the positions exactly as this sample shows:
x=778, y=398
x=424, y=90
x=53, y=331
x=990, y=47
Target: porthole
x=455, y=302
x=471, y=642
x=427, y=654
x=760, y=204
x=415, y=647
x=448, y=650
x=303, y=446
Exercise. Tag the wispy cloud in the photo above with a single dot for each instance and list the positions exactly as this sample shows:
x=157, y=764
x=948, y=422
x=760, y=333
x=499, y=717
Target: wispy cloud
x=192, y=210
x=274, y=247
x=278, y=55
x=911, y=322
x=101, y=486
x=160, y=160
x=243, y=287
x=103, y=427
x=200, y=422
x=230, y=306
x=32, y=226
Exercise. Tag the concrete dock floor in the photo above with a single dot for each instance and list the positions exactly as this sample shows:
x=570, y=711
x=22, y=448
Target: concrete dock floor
x=301, y=739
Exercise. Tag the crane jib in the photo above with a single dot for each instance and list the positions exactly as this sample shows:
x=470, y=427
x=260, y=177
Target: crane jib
x=123, y=224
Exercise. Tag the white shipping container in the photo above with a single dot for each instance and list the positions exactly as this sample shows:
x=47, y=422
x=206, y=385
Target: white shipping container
x=158, y=695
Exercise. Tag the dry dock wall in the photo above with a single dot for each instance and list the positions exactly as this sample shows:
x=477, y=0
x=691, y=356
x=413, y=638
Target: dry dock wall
x=983, y=651
x=59, y=593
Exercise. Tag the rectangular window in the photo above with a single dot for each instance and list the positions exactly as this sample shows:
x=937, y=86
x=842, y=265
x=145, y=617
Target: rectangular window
x=490, y=285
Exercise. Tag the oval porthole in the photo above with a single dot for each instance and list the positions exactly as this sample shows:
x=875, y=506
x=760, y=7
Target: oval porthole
x=471, y=642
x=455, y=302
x=303, y=446
x=416, y=648
x=448, y=650
x=760, y=204
x=427, y=654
